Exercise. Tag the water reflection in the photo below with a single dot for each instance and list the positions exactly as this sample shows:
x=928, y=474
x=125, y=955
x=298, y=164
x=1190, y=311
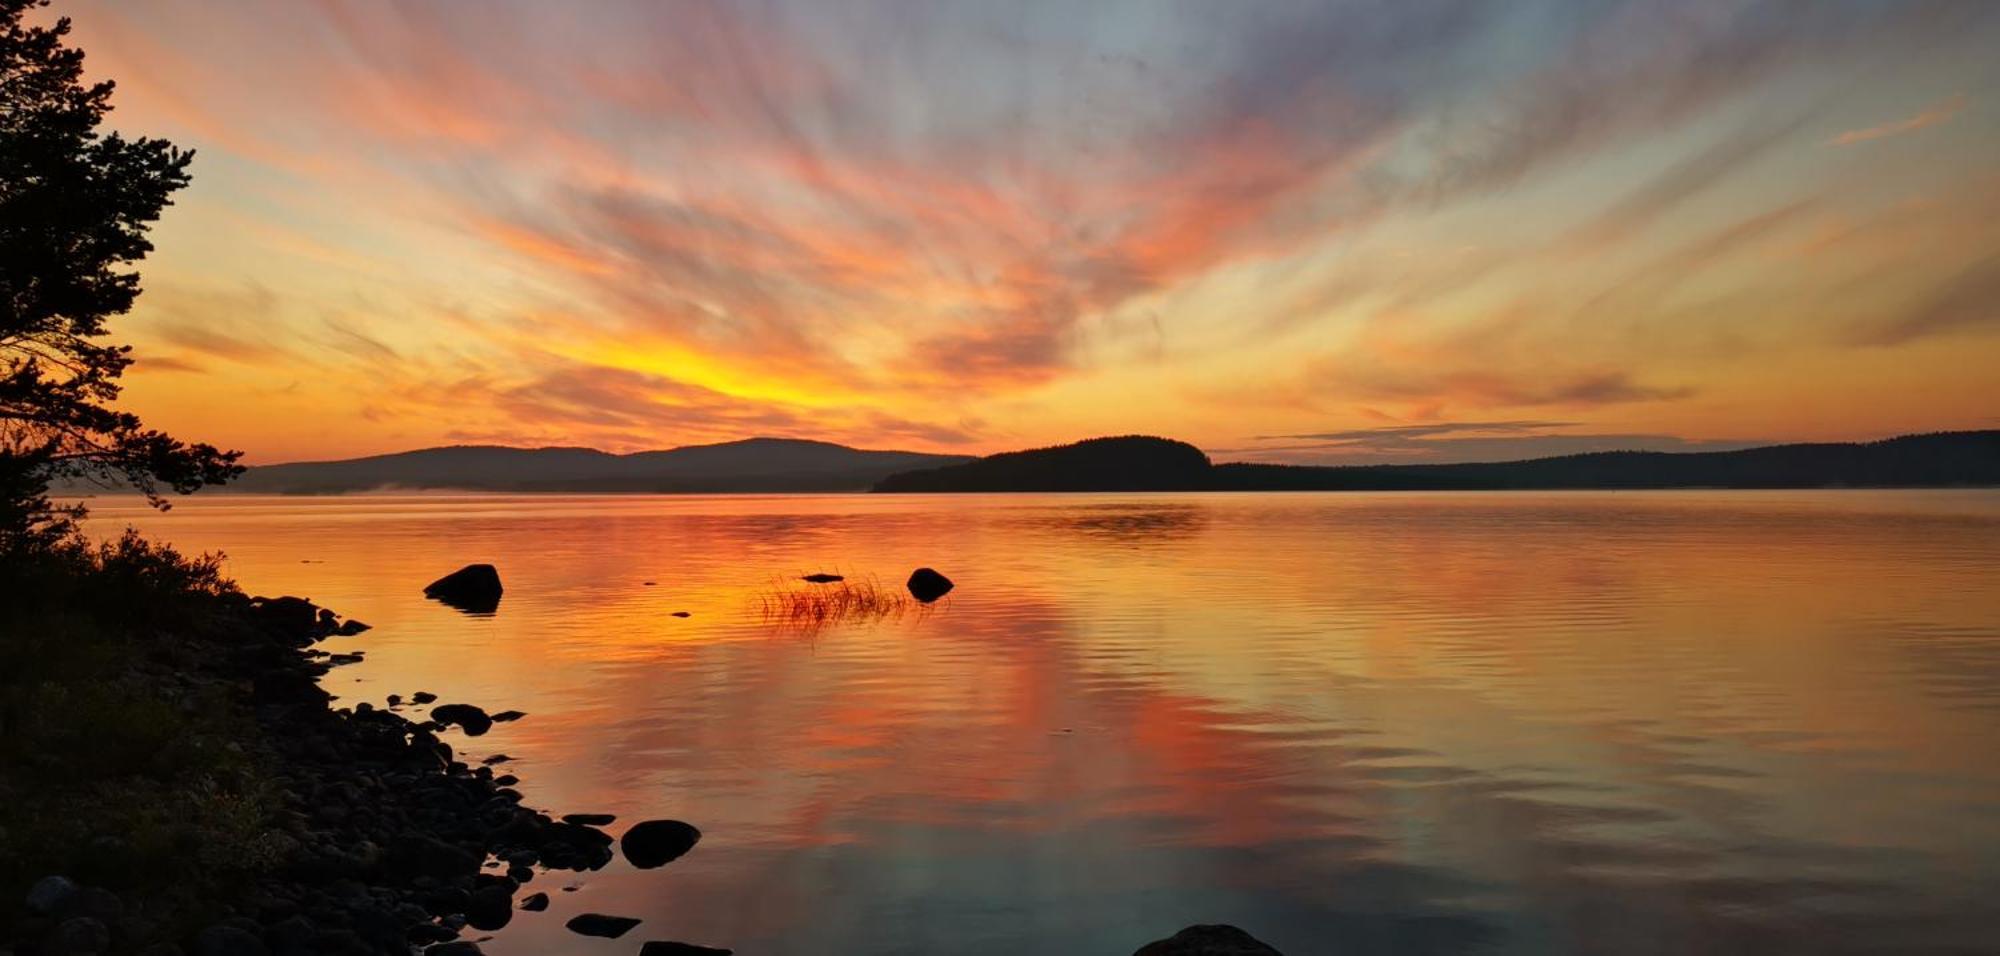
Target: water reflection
x=1367, y=723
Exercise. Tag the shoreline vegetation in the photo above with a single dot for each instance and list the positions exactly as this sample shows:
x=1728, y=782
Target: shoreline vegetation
x=179, y=781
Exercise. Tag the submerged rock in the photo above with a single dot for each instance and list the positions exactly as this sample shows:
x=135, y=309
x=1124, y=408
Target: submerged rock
x=1214, y=939
x=656, y=843
x=927, y=585
x=475, y=588
x=469, y=718
x=598, y=924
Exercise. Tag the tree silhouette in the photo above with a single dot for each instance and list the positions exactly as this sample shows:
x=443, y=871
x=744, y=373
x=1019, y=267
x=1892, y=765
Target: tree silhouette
x=75, y=206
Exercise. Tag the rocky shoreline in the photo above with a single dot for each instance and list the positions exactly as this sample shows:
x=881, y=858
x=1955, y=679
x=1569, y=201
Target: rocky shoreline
x=385, y=843
x=380, y=840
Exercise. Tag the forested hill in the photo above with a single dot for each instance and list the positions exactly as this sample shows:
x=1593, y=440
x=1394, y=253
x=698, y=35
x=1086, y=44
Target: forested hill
x=1137, y=463
x=752, y=465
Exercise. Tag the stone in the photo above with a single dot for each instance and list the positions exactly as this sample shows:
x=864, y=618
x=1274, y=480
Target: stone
x=78, y=936
x=470, y=719
x=590, y=819
x=535, y=902
x=927, y=585
x=656, y=843
x=491, y=907
x=817, y=578
x=227, y=940
x=49, y=894
x=598, y=924
x=1213, y=939
x=351, y=627
x=474, y=588
x=667, y=947
x=287, y=615
x=422, y=697
x=457, y=947
x=508, y=716
x=681, y=614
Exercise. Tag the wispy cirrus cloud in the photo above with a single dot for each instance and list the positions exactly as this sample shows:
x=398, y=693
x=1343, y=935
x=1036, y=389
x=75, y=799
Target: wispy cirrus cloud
x=977, y=224
x=1929, y=116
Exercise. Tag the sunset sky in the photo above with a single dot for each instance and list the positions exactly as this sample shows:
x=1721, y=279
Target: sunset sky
x=1404, y=230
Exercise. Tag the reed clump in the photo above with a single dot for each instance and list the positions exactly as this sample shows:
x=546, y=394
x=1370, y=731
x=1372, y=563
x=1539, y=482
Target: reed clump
x=791, y=603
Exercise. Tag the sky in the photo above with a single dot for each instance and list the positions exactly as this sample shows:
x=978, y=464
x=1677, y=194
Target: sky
x=1323, y=232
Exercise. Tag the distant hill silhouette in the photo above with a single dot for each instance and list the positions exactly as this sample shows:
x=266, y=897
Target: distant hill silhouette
x=1138, y=463
x=1126, y=463
x=751, y=465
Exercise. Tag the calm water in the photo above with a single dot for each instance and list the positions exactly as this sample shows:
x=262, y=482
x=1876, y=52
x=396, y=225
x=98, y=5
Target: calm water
x=1521, y=723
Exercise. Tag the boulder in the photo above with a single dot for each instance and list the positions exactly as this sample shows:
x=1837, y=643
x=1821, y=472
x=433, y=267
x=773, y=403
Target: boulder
x=470, y=719
x=457, y=947
x=78, y=936
x=663, y=947
x=1208, y=940
x=598, y=924
x=490, y=908
x=508, y=716
x=817, y=578
x=351, y=627
x=49, y=894
x=590, y=819
x=226, y=940
x=474, y=588
x=927, y=585
x=656, y=843
x=535, y=902
x=422, y=697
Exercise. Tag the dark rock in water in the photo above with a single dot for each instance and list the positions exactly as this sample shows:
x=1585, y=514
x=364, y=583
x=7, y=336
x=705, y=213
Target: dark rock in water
x=496, y=758
x=662, y=947
x=927, y=585
x=657, y=843
x=590, y=819
x=597, y=924
x=351, y=627
x=49, y=894
x=422, y=697
x=491, y=907
x=818, y=578
x=535, y=902
x=457, y=947
x=78, y=936
x=682, y=614
x=469, y=718
x=508, y=716
x=395, y=700
x=1208, y=940
x=227, y=940
x=506, y=780
x=474, y=588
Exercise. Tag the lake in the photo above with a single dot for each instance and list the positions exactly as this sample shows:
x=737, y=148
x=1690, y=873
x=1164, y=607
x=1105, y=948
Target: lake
x=1621, y=722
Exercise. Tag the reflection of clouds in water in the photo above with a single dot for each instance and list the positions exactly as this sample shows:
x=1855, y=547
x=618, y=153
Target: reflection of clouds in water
x=1515, y=723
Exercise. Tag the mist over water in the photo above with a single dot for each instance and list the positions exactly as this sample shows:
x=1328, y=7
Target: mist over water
x=1418, y=723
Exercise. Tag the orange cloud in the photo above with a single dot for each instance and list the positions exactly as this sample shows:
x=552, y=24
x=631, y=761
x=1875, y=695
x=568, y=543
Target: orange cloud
x=1930, y=116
